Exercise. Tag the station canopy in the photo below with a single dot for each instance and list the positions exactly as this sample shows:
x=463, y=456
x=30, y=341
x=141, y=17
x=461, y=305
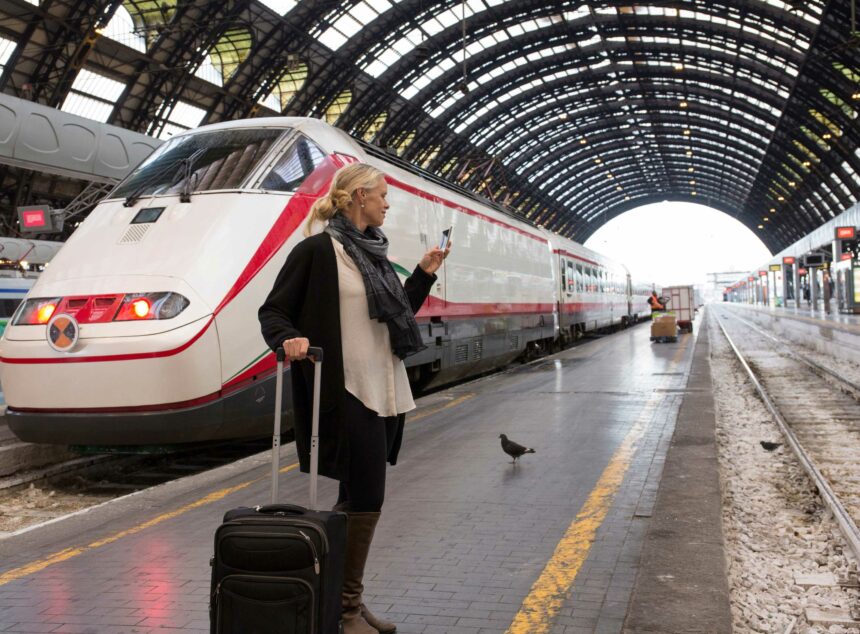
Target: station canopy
x=569, y=113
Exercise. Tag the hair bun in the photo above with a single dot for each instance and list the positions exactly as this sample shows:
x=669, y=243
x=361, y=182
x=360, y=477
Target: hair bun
x=340, y=198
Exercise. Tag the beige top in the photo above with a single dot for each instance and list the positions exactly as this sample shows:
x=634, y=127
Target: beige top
x=372, y=373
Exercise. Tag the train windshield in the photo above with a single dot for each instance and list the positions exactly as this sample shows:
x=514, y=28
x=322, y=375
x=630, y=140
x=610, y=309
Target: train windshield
x=221, y=159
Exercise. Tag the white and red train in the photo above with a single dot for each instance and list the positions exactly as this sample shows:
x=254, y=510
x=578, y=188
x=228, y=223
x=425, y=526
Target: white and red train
x=144, y=329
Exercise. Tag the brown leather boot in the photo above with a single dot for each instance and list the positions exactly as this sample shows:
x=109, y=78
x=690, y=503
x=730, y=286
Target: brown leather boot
x=359, y=534
x=380, y=625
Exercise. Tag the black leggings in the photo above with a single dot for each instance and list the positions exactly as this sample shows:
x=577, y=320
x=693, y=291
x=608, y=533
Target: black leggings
x=369, y=447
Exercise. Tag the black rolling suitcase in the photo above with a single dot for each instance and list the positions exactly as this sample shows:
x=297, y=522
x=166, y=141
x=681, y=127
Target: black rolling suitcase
x=278, y=569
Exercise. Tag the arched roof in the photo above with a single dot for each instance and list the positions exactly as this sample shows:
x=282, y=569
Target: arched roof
x=570, y=112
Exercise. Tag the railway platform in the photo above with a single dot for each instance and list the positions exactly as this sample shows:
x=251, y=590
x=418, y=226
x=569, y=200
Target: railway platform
x=834, y=335
x=582, y=536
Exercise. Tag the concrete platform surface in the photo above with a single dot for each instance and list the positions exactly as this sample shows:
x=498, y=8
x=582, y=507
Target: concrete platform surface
x=682, y=569
x=468, y=543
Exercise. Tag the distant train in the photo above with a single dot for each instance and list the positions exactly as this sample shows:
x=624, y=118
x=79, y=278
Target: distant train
x=21, y=262
x=144, y=330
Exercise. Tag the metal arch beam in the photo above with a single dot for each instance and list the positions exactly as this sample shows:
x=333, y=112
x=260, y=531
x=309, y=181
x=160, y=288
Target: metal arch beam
x=399, y=22
x=512, y=120
x=595, y=187
x=499, y=55
x=585, y=232
x=550, y=66
x=180, y=49
x=70, y=38
x=541, y=92
x=607, y=127
x=279, y=38
x=436, y=89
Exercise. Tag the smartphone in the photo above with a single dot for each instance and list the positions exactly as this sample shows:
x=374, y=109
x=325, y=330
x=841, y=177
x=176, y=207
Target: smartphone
x=446, y=236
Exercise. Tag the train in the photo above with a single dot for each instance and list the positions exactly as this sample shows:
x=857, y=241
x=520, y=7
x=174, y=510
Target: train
x=21, y=262
x=143, y=331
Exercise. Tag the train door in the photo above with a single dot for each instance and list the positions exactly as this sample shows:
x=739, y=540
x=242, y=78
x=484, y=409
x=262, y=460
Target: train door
x=628, y=291
x=433, y=221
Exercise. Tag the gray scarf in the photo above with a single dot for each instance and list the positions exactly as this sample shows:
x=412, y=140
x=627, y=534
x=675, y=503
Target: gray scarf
x=386, y=299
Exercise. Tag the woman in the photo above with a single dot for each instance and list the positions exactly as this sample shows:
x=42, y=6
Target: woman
x=338, y=290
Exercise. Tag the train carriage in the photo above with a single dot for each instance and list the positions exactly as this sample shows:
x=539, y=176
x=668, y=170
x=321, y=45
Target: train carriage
x=144, y=331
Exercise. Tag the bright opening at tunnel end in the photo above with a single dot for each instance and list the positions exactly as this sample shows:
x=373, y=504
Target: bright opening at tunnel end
x=675, y=243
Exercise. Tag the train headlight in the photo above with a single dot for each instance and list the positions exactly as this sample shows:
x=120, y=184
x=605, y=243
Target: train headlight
x=137, y=306
x=37, y=311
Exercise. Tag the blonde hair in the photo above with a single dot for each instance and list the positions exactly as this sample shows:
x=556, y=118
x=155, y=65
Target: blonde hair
x=346, y=180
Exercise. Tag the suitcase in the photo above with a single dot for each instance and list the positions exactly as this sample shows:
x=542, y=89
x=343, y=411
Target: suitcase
x=278, y=569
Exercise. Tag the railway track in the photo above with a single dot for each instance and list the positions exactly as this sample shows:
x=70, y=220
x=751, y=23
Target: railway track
x=817, y=411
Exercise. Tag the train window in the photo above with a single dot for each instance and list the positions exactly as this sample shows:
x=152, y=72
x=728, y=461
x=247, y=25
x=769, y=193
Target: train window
x=580, y=285
x=563, y=274
x=297, y=162
x=8, y=306
x=221, y=159
x=571, y=282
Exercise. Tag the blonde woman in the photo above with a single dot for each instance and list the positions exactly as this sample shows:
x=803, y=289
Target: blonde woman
x=338, y=290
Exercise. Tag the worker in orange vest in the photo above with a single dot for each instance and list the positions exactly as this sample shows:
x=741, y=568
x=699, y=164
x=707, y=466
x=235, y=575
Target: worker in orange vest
x=655, y=303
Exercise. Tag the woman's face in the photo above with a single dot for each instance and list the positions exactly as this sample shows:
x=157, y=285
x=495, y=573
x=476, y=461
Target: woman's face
x=375, y=204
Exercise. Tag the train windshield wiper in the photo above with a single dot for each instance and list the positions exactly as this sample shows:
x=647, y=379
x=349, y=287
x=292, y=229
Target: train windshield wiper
x=133, y=197
x=187, y=173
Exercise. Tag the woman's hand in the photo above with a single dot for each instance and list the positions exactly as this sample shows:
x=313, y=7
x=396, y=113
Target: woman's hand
x=296, y=349
x=433, y=259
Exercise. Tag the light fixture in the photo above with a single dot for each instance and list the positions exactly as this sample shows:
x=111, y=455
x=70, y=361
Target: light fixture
x=692, y=182
x=683, y=104
x=598, y=161
x=766, y=219
x=562, y=116
x=856, y=95
x=686, y=133
x=773, y=210
x=679, y=66
x=619, y=188
x=807, y=164
x=761, y=226
x=691, y=169
x=609, y=176
x=781, y=198
x=689, y=152
x=826, y=135
x=792, y=184
x=583, y=141
x=692, y=193
x=627, y=198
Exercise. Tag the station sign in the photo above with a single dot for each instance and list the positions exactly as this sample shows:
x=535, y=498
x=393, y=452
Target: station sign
x=39, y=219
x=776, y=268
x=35, y=218
x=801, y=271
x=788, y=259
x=846, y=233
x=845, y=256
x=751, y=279
x=762, y=273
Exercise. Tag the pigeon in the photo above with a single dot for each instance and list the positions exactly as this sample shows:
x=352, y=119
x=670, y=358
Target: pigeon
x=769, y=446
x=513, y=449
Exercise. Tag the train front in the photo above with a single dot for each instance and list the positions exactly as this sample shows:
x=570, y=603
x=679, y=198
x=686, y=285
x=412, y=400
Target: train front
x=143, y=329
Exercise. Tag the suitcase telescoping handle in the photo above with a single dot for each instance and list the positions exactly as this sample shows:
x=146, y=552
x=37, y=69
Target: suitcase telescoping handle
x=315, y=354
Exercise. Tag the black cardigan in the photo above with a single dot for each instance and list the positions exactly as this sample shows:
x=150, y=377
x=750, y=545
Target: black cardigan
x=305, y=302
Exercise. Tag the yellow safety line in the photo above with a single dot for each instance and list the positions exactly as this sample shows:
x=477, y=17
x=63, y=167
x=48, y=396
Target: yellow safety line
x=68, y=553
x=547, y=594
x=430, y=412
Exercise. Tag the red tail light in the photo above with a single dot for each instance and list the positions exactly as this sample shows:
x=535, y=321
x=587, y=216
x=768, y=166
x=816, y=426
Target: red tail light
x=138, y=306
x=35, y=311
